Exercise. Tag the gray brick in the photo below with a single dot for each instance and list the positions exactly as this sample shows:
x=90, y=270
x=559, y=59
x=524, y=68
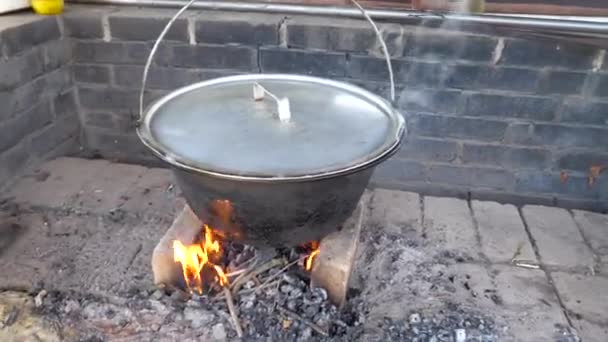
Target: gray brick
x=57, y=54
x=54, y=135
x=429, y=149
x=342, y=35
x=519, y=133
x=419, y=74
x=26, y=36
x=83, y=26
x=471, y=176
x=211, y=56
x=375, y=69
x=158, y=77
x=21, y=69
x=483, y=77
x=601, y=87
x=26, y=123
x=110, y=52
x=430, y=100
x=445, y=45
x=380, y=88
x=579, y=110
x=395, y=170
x=457, y=127
x=562, y=82
x=550, y=183
x=240, y=28
x=48, y=85
x=303, y=62
x=582, y=160
x=504, y=156
x=117, y=146
x=103, y=120
x=65, y=104
x=542, y=53
x=14, y=160
x=535, y=108
x=92, y=73
x=108, y=99
x=139, y=28
x=568, y=136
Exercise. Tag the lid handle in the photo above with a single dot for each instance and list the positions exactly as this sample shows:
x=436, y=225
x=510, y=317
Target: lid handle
x=283, y=104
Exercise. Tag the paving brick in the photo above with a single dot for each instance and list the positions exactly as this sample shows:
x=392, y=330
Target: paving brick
x=211, y=56
x=584, y=111
x=581, y=160
x=445, y=45
x=595, y=229
x=502, y=232
x=535, y=108
x=28, y=35
x=144, y=26
x=530, y=303
x=505, y=156
x=457, y=127
x=557, y=237
x=541, y=54
x=303, y=62
x=239, y=28
x=584, y=295
x=562, y=82
x=430, y=100
x=449, y=225
x=590, y=332
x=151, y=193
x=83, y=27
x=92, y=73
x=397, y=212
x=429, y=149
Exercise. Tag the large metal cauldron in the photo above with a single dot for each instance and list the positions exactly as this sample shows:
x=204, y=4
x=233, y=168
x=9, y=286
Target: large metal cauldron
x=271, y=160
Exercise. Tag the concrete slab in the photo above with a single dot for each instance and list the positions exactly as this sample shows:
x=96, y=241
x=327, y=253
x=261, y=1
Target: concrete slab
x=56, y=182
x=397, y=211
x=449, y=226
x=502, y=232
x=595, y=229
x=590, y=332
x=586, y=296
x=559, y=240
x=153, y=192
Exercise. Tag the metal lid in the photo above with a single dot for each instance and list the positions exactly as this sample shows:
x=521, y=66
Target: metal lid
x=216, y=127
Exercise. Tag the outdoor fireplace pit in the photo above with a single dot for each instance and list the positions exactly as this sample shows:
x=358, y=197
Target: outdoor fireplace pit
x=300, y=290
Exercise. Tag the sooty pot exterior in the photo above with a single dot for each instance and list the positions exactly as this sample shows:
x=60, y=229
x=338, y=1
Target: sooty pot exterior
x=267, y=214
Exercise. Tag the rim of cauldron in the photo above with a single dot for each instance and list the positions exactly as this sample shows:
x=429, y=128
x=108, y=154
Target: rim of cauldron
x=145, y=135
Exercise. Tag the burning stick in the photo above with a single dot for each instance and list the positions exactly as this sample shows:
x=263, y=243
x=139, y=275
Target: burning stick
x=294, y=315
x=236, y=285
x=281, y=271
x=232, y=309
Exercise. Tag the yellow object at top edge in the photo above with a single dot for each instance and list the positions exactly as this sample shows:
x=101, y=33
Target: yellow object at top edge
x=47, y=7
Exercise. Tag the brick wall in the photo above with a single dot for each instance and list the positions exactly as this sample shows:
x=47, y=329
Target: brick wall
x=488, y=116
x=38, y=115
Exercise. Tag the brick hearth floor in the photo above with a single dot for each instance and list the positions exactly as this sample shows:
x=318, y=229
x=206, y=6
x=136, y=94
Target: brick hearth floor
x=91, y=225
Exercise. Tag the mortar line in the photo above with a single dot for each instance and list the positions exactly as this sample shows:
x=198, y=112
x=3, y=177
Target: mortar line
x=596, y=257
x=544, y=269
x=132, y=258
x=422, y=218
x=485, y=261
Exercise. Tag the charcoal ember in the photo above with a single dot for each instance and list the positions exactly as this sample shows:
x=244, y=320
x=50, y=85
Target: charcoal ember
x=305, y=334
x=249, y=284
x=311, y=310
x=293, y=280
x=292, y=305
x=198, y=317
x=247, y=302
x=157, y=295
x=291, y=291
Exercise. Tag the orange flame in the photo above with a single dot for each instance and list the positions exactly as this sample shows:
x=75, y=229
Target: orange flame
x=193, y=259
x=312, y=255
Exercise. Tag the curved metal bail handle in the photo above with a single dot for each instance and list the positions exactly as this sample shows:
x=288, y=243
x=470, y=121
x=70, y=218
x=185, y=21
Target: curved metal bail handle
x=384, y=49
x=151, y=57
